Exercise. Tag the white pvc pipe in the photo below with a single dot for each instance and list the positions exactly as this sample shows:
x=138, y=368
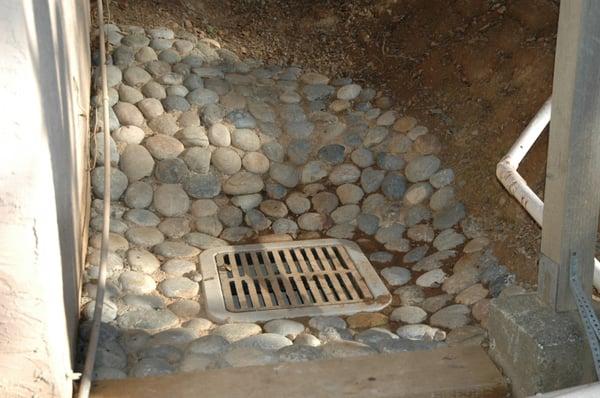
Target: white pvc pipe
x=507, y=173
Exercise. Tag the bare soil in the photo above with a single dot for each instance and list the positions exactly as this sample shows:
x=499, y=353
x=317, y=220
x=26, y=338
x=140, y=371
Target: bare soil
x=473, y=71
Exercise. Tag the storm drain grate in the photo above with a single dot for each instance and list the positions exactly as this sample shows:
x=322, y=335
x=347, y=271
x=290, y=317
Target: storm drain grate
x=290, y=279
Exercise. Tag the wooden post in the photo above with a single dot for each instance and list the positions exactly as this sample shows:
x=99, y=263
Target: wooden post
x=572, y=193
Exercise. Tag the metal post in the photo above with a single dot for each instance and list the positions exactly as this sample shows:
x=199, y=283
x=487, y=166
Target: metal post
x=572, y=193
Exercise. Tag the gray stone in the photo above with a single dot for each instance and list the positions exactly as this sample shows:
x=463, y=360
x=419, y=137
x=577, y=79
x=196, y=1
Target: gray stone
x=297, y=203
x=344, y=173
x=415, y=255
x=349, y=193
x=314, y=171
x=245, y=139
x=226, y=160
x=284, y=327
x=344, y=214
x=256, y=219
x=142, y=217
x=237, y=234
x=175, y=103
x=346, y=349
x=442, y=178
x=442, y=199
x=203, y=241
x=367, y=223
x=312, y=221
x=129, y=94
x=164, y=124
x=171, y=200
x=153, y=89
x=298, y=151
x=144, y=236
x=136, y=162
x=136, y=76
x=185, y=308
x=307, y=339
x=421, y=332
x=314, y=92
x=219, y=135
x=202, y=186
x=118, y=183
x=321, y=322
x=274, y=151
x=408, y=314
x=128, y=114
x=334, y=334
x=371, y=179
x=299, y=353
x=433, y=278
x=243, y=183
x=375, y=336
x=97, y=151
x=244, y=356
x=417, y=193
x=325, y=202
x=208, y=345
x=178, y=267
x=435, y=303
x=147, y=319
x=389, y=233
x=396, y=276
x=393, y=186
x=174, y=227
x=175, y=250
x=284, y=174
x=233, y=332
x=247, y=202
x=362, y=157
x=333, y=154
x=162, y=146
x=209, y=225
x=193, y=136
x=448, y=239
x=178, y=287
x=381, y=257
x=197, y=159
x=451, y=317
x=128, y=135
x=202, y=97
x=150, y=107
x=421, y=168
x=264, y=342
x=285, y=226
x=342, y=231
x=138, y=195
x=256, y=162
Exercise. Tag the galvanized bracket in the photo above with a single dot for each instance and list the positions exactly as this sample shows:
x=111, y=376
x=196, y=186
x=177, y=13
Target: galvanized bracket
x=589, y=318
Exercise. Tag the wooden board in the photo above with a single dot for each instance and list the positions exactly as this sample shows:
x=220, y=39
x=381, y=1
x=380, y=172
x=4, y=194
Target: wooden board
x=446, y=372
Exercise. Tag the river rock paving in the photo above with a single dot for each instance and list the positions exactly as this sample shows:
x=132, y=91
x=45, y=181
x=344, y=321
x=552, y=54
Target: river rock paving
x=209, y=149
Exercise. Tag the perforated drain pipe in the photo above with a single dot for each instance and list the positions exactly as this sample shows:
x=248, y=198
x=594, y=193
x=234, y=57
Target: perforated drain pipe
x=86, y=377
x=507, y=173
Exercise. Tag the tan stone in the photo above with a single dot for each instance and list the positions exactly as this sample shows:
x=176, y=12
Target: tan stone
x=366, y=320
x=472, y=294
x=274, y=238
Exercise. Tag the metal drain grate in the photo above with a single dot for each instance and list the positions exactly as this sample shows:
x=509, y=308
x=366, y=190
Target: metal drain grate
x=290, y=279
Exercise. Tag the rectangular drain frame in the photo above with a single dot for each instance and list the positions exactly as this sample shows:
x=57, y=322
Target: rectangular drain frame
x=302, y=278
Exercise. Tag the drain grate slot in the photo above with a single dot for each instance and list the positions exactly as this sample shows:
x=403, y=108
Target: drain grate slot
x=260, y=282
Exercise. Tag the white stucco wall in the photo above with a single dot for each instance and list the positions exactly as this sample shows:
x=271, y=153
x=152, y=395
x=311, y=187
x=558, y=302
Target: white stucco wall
x=44, y=94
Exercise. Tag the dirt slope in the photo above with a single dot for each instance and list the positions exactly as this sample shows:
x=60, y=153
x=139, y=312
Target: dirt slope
x=475, y=71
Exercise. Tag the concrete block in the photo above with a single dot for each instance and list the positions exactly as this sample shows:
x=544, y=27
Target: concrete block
x=538, y=349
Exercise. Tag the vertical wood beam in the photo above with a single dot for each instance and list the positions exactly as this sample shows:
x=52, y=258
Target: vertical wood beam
x=572, y=192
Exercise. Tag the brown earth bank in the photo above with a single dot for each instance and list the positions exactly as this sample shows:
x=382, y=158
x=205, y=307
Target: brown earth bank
x=473, y=71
